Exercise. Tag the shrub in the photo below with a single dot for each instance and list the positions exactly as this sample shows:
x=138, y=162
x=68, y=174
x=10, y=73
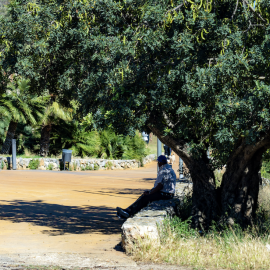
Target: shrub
x=96, y=167
x=135, y=147
x=50, y=166
x=33, y=164
x=84, y=140
x=109, y=165
x=89, y=167
x=75, y=166
x=265, y=169
x=185, y=207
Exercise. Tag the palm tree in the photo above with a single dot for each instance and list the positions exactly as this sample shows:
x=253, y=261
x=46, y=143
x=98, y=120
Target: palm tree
x=52, y=113
x=20, y=106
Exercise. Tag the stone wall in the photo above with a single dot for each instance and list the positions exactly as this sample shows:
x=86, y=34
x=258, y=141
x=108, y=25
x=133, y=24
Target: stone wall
x=75, y=165
x=146, y=222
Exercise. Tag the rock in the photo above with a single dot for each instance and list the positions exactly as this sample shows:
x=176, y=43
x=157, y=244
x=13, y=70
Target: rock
x=55, y=166
x=27, y=161
x=139, y=227
x=145, y=223
x=265, y=182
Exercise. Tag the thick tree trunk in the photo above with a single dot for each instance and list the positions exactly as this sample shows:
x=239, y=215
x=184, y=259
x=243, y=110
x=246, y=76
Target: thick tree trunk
x=10, y=135
x=45, y=140
x=205, y=207
x=240, y=187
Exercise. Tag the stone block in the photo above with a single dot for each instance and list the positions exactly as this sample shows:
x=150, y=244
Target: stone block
x=145, y=223
x=27, y=161
x=41, y=162
x=55, y=166
x=139, y=227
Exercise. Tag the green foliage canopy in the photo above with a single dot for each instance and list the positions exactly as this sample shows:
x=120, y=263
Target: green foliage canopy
x=191, y=69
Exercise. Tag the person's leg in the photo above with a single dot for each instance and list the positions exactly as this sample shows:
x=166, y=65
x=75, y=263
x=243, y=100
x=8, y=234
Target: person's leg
x=143, y=201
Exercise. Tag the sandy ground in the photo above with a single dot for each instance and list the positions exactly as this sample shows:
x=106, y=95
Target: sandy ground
x=67, y=219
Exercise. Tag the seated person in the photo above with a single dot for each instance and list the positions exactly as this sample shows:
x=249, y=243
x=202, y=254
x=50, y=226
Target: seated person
x=164, y=189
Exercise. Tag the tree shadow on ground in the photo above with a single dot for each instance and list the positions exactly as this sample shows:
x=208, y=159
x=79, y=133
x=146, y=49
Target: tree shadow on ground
x=149, y=179
x=114, y=192
x=62, y=219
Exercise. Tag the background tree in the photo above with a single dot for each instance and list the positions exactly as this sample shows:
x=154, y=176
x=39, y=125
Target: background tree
x=19, y=106
x=195, y=73
x=52, y=114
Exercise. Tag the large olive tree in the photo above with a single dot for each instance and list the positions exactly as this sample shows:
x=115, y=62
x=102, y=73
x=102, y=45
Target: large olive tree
x=195, y=73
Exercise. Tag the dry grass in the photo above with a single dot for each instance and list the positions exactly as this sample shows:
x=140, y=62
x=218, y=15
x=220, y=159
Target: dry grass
x=227, y=249
x=214, y=251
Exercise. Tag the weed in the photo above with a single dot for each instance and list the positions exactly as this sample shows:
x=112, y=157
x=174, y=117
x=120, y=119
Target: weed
x=184, y=209
x=50, y=166
x=109, y=165
x=33, y=164
x=89, y=167
x=96, y=167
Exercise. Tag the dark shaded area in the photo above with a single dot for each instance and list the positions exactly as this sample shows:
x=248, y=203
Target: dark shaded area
x=113, y=192
x=149, y=179
x=62, y=219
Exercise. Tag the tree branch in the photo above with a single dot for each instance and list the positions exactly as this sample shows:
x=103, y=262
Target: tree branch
x=253, y=10
x=235, y=10
x=178, y=147
x=176, y=8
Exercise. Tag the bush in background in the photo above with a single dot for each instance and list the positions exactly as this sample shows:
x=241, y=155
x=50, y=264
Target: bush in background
x=81, y=138
x=33, y=164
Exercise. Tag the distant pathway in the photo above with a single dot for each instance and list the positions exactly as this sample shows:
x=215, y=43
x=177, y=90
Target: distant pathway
x=67, y=218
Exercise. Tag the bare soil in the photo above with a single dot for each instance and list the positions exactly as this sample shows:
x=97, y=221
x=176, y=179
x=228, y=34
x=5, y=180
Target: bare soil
x=67, y=219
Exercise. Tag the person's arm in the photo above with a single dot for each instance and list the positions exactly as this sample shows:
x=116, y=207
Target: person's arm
x=156, y=189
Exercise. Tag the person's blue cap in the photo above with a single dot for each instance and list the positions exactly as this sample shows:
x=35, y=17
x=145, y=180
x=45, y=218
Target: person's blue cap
x=162, y=159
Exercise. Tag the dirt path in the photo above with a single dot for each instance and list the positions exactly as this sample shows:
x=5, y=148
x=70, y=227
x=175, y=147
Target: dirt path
x=67, y=218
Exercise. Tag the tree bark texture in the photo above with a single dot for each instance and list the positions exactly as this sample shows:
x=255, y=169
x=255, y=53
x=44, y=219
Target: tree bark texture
x=205, y=205
x=45, y=140
x=240, y=185
x=10, y=135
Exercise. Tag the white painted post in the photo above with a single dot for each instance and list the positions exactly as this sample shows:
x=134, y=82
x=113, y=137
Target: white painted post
x=14, y=163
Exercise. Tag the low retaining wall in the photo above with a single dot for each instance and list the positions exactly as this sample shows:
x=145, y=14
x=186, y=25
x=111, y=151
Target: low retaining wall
x=75, y=165
x=145, y=223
